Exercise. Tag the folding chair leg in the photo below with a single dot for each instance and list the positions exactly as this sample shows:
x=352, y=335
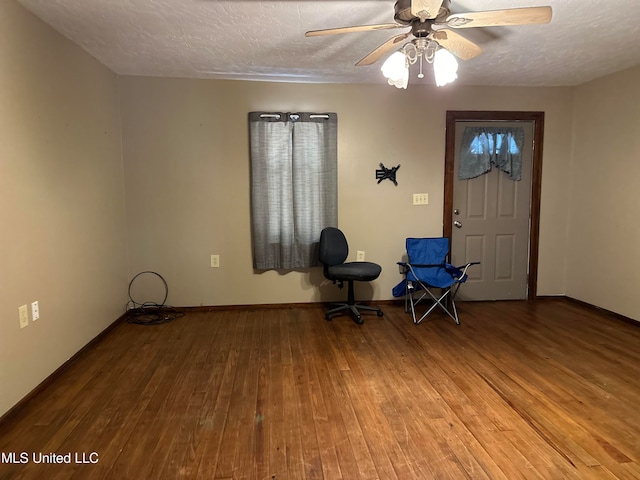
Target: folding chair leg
x=453, y=304
x=437, y=302
x=412, y=303
x=455, y=312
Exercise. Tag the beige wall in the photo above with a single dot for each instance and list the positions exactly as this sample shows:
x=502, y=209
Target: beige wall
x=63, y=239
x=187, y=179
x=604, y=259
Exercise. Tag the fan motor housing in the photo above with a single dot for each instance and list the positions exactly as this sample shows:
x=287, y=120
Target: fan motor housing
x=404, y=16
x=421, y=29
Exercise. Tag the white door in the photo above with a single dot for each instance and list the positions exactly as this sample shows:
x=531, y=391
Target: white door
x=491, y=222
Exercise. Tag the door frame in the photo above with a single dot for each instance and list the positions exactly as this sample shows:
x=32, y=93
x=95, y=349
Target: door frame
x=536, y=177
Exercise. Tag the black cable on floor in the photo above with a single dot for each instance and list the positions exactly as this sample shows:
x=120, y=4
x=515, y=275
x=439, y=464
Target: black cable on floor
x=150, y=313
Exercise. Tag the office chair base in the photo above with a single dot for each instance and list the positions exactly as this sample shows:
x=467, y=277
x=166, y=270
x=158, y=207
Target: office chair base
x=354, y=308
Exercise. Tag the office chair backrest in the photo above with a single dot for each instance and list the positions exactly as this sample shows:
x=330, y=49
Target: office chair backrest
x=334, y=248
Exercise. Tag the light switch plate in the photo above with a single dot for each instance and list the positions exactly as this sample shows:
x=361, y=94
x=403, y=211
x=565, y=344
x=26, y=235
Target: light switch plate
x=420, y=198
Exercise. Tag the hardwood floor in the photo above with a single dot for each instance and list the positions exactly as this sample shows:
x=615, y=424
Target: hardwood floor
x=546, y=390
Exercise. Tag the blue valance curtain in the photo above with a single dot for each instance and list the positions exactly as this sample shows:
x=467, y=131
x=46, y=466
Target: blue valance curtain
x=294, y=186
x=482, y=147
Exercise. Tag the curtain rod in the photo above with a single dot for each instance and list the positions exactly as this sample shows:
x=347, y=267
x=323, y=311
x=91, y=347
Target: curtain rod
x=292, y=115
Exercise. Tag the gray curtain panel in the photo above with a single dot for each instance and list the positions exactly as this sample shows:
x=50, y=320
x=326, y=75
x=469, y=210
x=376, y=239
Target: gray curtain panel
x=482, y=147
x=294, y=186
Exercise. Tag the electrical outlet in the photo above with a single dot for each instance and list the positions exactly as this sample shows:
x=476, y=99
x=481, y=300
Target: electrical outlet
x=23, y=313
x=420, y=198
x=35, y=311
x=360, y=256
x=215, y=261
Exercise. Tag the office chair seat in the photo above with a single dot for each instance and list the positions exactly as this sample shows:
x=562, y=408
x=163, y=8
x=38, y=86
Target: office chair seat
x=334, y=250
x=357, y=271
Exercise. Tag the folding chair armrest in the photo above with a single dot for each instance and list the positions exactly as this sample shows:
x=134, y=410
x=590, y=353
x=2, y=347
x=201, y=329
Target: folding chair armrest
x=462, y=267
x=465, y=267
x=425, y=265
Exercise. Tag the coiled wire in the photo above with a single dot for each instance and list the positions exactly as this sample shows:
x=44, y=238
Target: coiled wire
x=149, y=312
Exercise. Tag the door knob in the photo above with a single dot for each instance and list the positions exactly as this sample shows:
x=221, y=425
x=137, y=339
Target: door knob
x=457, y=224
x=456, y=212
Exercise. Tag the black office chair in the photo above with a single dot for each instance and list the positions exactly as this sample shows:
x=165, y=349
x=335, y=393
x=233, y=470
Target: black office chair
x=334, y=250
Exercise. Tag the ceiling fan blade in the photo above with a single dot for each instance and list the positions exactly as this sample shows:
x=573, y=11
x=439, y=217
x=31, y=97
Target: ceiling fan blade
x=358, y=28
x=500, y=18
x=425, y=9
x=386, y=47
x=458, y=45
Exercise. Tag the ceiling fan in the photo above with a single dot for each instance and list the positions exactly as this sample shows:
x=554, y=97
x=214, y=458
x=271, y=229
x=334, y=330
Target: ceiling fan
x=432, y=26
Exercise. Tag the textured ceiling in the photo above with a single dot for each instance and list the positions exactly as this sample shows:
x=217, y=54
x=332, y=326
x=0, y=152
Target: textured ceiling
x=264, y=40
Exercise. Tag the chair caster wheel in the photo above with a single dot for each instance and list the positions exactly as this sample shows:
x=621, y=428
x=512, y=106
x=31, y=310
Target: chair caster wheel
x=379, y=313
x=359, y=320
x=327, y=317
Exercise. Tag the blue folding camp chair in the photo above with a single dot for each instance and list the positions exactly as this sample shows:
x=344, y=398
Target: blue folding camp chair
x=427, y=269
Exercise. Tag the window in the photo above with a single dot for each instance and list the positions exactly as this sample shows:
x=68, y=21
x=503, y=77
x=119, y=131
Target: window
x=483, y=147
x=294, y=192
x=500, y=142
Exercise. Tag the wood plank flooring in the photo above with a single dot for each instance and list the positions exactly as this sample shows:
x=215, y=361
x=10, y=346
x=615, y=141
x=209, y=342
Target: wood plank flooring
x=545, y=390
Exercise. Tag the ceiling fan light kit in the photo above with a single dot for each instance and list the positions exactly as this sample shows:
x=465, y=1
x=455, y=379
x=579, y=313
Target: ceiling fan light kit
x=435, y=41
x=396, y=70
x=396, y=67
x=445, y=67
